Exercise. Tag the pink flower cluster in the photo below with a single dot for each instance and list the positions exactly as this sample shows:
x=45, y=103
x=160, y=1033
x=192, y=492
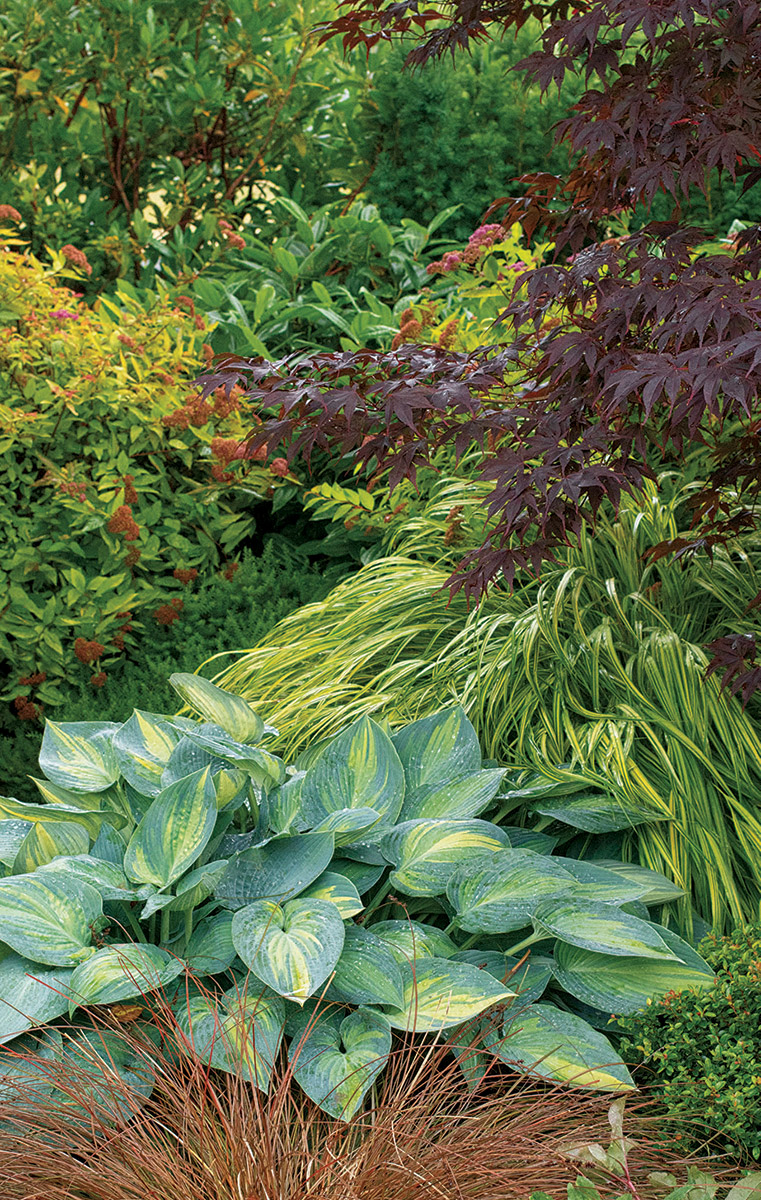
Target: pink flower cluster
x=63, y=314
x=480, y=239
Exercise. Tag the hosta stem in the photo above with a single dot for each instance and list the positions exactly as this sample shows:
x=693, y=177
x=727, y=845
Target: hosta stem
x=377, y=899
x=133, y=922
x=166, y=917
x=535, y=937
x=188, y=926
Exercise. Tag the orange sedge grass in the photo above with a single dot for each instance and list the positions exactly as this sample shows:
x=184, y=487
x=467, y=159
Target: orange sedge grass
x=207, y=1135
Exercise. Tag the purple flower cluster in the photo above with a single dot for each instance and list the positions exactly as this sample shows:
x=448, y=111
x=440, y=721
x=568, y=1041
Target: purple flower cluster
x=485, y=235
x=63, y=314
x=481, y=239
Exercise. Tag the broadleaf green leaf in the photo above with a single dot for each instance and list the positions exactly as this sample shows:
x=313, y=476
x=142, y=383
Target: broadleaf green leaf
x=292, y=948
x=173, y=832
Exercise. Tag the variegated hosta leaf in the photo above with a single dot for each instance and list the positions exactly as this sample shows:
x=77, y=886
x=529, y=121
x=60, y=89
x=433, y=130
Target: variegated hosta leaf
x=528, y=980
x=231, y=787
x=106, y=877
x=336, y=1058
x=440, y=994
x=408, y=940
x=557, y=1045
x=357, y=769
x=92, y=801
x=366, y=972
x=104, y=1063
x=48, y=919
x=594, y=882
x=210, y=949
x=363, y=876
x=120, y=972
x=292, y=948
x=238, y=1032
x=232, y=713
x=79, y=755
x=426, y=854
x=265, y=769
x=45, y=842
x=600, y=927
x=529, y=839
x=173, y=832
x=624, y=985
x=143, y=747
x=660, y=890
x=186, y=759
x=109, y=846
x=594, y=812
x=278, y=870
x=348, y=824
x=197, y=885
x=442, y=766
x=51, y=814
x=283, y=806
x=338, y=890
x=30, y=995
x=499, y=892
x=12, y=834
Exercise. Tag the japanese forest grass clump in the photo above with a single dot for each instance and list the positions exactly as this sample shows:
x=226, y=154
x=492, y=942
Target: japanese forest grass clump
x=316, y=909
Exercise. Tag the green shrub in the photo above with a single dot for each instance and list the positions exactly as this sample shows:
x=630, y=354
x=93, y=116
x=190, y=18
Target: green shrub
x=599, y=664
x=218, y=613
x=191, y=836
x=117, y=484
x=460, y=134
x=705, y=1048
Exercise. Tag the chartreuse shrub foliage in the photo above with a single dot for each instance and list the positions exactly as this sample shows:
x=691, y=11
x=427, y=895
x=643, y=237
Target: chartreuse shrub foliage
x=705, y=1049
x=600, y=665
x=365, y=875
x=118, y=485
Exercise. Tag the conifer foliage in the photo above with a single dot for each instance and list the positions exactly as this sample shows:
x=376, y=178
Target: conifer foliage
x=632, y=351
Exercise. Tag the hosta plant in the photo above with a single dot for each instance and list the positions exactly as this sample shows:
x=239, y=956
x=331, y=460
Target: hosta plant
x=326, y=905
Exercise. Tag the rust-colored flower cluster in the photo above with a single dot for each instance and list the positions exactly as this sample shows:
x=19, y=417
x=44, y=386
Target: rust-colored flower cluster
x=185, y=575
x=26, y=709
x=226, y=403
x=76, y=258
x=123, y=522
x=132, y=557
x=9, y=213
x=194, y=411
x=232, y=238
x=33, y=680
x=279, y=466
x=130, y=495
x=131, y=344
x=230, y=570
x=167, y=614
x=87, y=652
x=98, y=680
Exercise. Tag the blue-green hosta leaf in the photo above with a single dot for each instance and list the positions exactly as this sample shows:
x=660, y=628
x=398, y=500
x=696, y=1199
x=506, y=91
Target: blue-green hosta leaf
x=619, y=985
x=408, y=940
x=426, y=854
x=173, y=832
x=12, y=834
x=107, y=878
x=48, y=919
x=438, y=748
x=279, y=870
x=556, y=1045
x=238, y=1032
x=292, y=948
x=120, y=972
x=440, y=994
x=265, y=769
x=596, y=883
x=363, y=876
x=109, y=845
x=186, y=759
x=104, y=1063
x=210, y=949
x=528, y=785
x=594, y=812
x=348, y=824
x=44, y=842
x=336, y=1058
x=231, y=787
x=600, y=927
x=92, y=801
x=367, y=971
x=24, y=1070
x=528, y=980
x=232, y=713
x=529, y=839
x=197, y=885
x=50, y=814
x=659, y=889
x=358, y=769
x=284, y=806
x=30, y=995
x=79, y=755
x=143, y=747
x=499, y=892
x=338, y=890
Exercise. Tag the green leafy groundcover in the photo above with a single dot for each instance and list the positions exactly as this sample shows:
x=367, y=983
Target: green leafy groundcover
x=327, y=904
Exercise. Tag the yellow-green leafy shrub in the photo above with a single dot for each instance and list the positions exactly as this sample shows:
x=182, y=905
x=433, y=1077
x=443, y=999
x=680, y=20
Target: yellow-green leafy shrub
x=119, y=486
